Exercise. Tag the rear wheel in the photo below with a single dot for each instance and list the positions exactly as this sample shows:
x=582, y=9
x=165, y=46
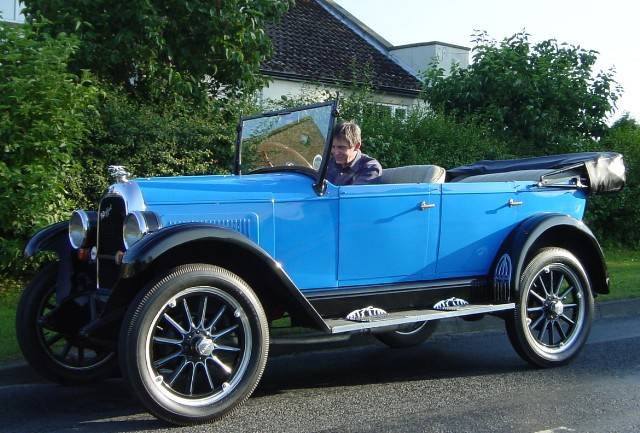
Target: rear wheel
x=409, y=335
x=193, y=347
x=554, y=309
x=56, y=353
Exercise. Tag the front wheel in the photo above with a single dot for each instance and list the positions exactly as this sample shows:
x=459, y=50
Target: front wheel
x=194, y=345
x=553, y=311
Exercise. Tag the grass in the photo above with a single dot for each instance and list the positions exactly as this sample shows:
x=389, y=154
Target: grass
x=624, y=272
x=10, y=290
x=623, y=264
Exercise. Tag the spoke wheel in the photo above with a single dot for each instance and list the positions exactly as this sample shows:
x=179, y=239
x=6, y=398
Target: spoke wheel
x=59, y=356
x=553, y=316
x=409, y=335
x=194, y=346
x=199, y=346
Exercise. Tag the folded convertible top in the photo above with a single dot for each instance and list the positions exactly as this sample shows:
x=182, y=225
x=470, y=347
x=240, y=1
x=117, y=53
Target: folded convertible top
x=603, y=171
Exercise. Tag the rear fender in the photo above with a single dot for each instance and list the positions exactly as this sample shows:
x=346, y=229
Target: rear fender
x=547, y=230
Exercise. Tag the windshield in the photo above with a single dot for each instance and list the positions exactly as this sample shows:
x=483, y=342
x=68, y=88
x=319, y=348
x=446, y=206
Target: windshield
x=292, y=139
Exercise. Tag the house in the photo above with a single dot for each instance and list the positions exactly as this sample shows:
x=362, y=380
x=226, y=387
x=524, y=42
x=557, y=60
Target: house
x=319, y=45
x=11, y=11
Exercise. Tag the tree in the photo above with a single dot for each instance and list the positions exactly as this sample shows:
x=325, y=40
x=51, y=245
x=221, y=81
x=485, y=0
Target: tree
x=545, y=97
x=196, y=47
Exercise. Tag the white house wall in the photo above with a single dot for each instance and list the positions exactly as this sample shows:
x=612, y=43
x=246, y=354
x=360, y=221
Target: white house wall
x=279, y=87
x=10, y=10
x=419, y=58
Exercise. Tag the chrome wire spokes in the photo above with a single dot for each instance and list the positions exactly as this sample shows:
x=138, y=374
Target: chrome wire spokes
x=199, y=345
x=554, y=307
x=69, y=351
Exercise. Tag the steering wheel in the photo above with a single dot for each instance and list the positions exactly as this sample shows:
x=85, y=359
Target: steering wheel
x=278, y=154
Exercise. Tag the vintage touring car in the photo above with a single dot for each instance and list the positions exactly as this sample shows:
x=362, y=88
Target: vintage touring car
x=177, y=279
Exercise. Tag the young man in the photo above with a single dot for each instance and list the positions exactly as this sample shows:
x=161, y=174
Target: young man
x=348, y=165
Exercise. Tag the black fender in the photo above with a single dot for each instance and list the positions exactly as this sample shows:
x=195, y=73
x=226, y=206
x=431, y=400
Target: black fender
x=142, y=255
x=538, y=231
x=50, y=238
x=55, y=238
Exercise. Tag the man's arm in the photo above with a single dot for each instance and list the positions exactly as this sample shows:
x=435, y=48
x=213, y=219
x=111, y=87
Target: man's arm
x=369, y=172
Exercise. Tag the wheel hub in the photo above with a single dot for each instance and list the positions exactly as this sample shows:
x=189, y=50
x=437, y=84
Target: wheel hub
x=553, y=308
x=204, y=346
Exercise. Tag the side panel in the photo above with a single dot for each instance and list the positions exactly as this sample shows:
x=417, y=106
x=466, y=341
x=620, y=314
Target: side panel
x=477, y=218
x=253, y=219
x=385, y=235
x=307, y=239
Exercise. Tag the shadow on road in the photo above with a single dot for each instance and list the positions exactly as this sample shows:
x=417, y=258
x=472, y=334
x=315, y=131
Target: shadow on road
x=109, y=406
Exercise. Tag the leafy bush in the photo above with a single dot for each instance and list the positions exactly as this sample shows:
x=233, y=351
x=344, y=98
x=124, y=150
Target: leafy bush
x=173, y=138
x=615, y=218
x=422, y=136
x=545, y=98
x=42, y=127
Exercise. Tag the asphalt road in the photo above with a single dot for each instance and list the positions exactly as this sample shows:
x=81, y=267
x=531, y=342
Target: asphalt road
x=471, y=382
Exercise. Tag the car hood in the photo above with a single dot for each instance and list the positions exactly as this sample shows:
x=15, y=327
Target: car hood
x=226, y=188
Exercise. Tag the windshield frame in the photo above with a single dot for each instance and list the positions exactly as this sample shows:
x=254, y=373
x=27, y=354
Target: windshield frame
x=317, y=176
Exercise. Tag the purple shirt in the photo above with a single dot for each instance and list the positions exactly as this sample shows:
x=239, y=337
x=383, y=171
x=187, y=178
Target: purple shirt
x=362, y=170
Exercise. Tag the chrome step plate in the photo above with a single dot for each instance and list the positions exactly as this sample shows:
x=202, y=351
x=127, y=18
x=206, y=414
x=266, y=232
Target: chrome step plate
x=338, y=326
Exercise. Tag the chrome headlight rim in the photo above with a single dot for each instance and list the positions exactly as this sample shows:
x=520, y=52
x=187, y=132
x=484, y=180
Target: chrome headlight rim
x=145, y=223
x=81, y=225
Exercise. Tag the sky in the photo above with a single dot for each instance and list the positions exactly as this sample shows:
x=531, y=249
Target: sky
x=612, y=28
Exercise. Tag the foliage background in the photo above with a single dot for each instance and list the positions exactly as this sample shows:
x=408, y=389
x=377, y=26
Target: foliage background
x=62, y=125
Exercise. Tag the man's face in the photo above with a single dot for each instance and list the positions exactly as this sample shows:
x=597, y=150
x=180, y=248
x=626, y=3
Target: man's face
x=342, y=152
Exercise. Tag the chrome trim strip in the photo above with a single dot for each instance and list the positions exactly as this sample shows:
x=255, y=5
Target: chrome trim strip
x=338, y=326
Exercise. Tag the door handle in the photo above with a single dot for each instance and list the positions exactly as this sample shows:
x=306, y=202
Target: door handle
x=513, y=202
x=424, y=205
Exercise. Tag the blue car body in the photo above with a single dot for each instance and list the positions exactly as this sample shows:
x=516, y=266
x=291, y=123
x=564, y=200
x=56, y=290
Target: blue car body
x=360, y=235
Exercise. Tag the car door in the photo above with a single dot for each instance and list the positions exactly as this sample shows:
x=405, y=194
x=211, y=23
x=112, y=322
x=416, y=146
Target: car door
x=476, y=219
x=387, y=233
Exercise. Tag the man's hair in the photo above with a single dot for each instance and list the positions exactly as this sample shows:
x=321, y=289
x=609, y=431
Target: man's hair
x=348, y=131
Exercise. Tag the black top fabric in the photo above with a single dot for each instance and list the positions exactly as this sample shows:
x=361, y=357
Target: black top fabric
x=605, y=170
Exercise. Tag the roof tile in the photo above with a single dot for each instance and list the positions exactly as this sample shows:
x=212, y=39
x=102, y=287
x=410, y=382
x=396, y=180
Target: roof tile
x=311, y=43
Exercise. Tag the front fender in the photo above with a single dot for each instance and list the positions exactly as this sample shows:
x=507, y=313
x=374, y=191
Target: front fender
x=546, y=230
x=51, y=238
x=145, y=252
x=55, y=238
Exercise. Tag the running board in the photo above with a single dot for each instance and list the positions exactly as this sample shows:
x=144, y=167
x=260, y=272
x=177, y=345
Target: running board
x=338, y=326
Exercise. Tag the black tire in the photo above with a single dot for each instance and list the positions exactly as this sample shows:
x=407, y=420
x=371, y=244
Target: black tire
x=554, y=309
x=193, y=346
x=409, y=335
x=61, y=358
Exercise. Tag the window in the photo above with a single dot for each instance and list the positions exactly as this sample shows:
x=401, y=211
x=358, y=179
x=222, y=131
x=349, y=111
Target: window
x=10, y=10
x=380, y=108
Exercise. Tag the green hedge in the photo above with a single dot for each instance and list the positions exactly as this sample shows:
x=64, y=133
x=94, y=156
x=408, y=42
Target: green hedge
x=615, y=218
x=168, y=139
x=42, y=127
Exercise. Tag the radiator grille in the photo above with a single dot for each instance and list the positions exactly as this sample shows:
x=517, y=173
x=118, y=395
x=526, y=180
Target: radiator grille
x=111, y=214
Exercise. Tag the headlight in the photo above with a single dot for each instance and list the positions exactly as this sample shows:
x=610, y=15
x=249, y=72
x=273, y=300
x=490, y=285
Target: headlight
x=82, y=228
x=136, y=225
